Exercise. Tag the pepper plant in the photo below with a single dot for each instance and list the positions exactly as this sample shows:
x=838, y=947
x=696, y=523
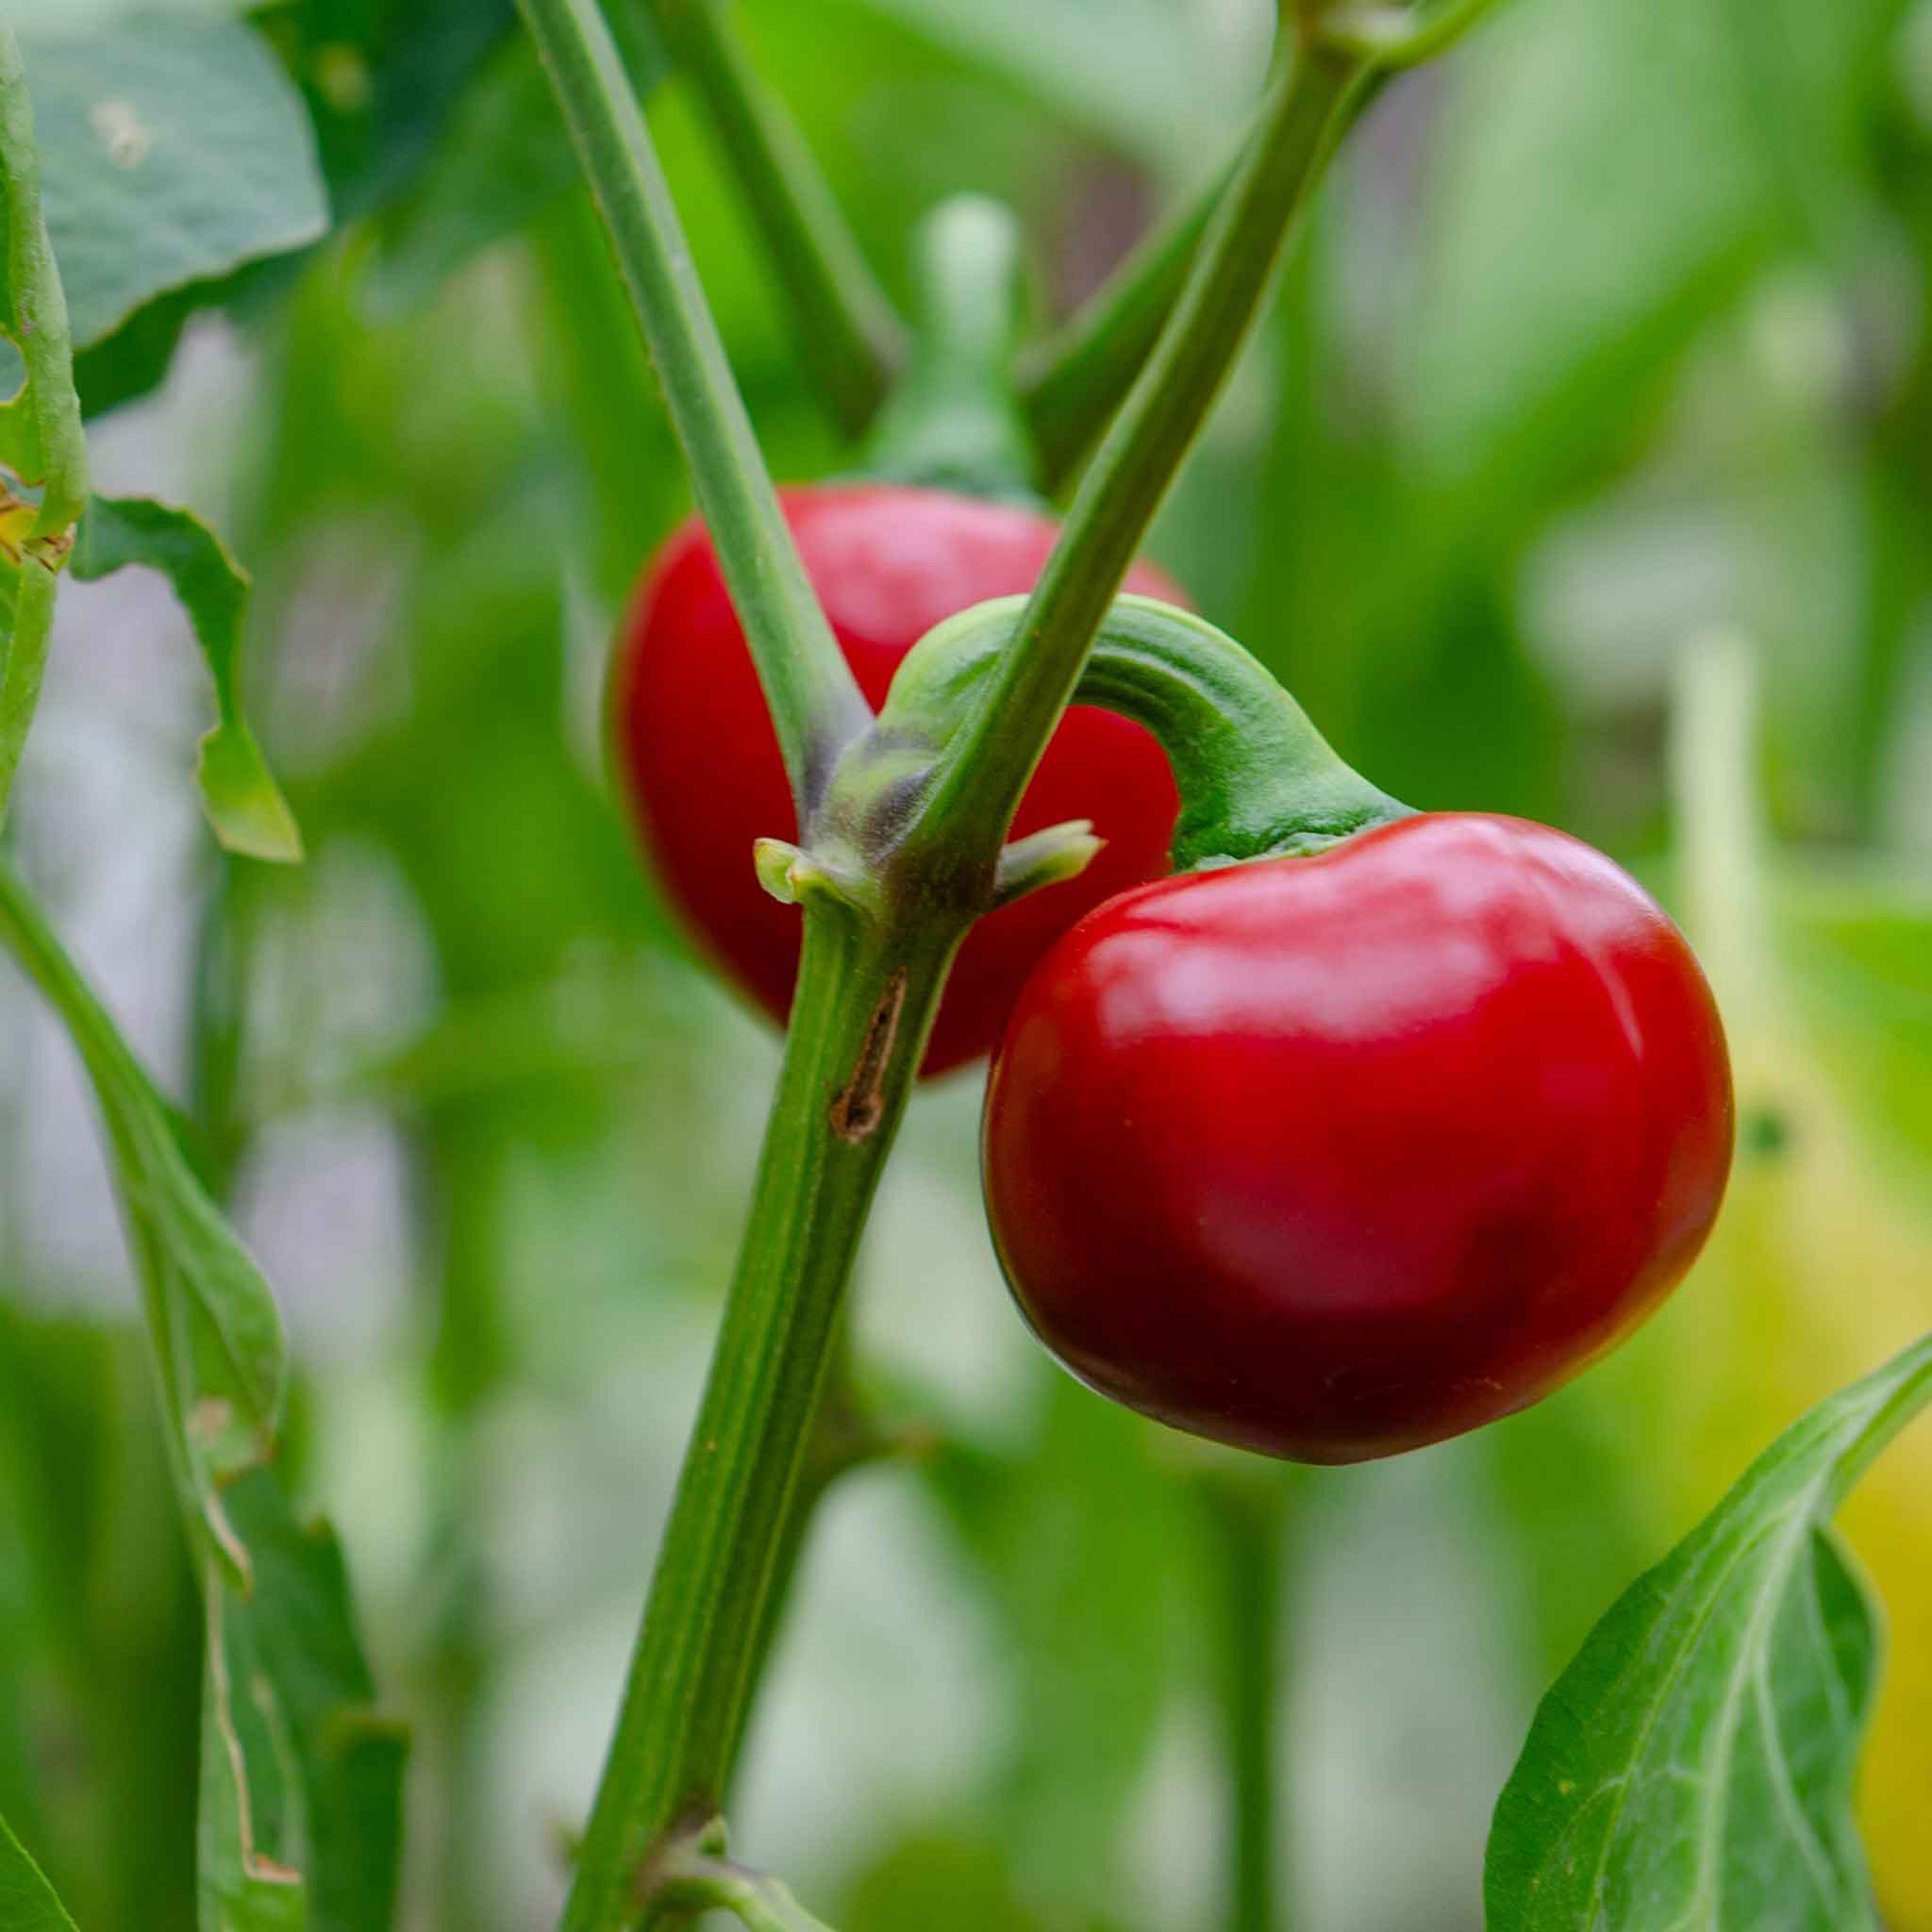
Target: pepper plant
x=1316, y=1125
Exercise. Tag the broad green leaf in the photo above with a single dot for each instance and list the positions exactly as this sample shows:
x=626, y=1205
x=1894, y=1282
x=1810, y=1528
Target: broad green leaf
x=504, y=159
x=171, y=151
x=247, y=811
x=26, y=1900
x=1693, y=1768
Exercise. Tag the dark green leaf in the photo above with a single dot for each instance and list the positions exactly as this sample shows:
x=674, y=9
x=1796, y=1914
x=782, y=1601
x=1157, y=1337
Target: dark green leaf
x=1693, y=1768
x=26, y=1900
x=172, y=152
x=242, y=804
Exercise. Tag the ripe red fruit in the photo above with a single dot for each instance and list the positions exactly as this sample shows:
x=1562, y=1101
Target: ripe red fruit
x=700, y=763
x=1334, y=1156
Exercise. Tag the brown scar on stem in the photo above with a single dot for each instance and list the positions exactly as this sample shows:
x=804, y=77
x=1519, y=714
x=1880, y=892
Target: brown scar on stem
x=856, y=1109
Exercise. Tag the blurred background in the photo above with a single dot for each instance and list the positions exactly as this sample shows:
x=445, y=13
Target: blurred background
x=1609, y=340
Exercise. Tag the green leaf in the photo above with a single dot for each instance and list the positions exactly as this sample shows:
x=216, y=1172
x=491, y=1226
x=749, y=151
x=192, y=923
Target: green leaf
x=243, y=804
x=173, y=152
x=217, y=1336
x=291, y=1713
x=1693, y=1767
x=26, y=1900
x=301, y=1780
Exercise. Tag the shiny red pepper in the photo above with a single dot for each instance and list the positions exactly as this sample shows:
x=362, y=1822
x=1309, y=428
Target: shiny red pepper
x=700, y=764
x=1332, y=1156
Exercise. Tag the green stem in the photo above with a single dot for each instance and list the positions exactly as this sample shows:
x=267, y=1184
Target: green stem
x=864, y=1005
x=26, y=663
x=1243, y=1514
x=1255, y=779
x=51, y=434
x=953, y=423
x=41, y=438
x=990, y=761
x=851, y=339
x=815, y=704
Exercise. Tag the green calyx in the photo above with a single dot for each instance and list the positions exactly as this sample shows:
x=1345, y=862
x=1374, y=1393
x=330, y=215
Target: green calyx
x=954, y=420
x=1256, y=780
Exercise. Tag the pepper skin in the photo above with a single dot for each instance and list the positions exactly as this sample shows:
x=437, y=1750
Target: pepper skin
x=700, y=765
x=1334, y=1156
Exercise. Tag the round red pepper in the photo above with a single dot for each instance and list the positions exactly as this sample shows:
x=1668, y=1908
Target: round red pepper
x=700, y=764
x=1332, y=1156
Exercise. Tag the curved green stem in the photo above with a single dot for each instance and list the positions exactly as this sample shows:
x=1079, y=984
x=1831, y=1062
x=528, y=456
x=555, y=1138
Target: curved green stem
x=988, y=764
x=863, y=1007
x=815, y=703
x=953, y=422
x=1255, y=779
x=850, y=337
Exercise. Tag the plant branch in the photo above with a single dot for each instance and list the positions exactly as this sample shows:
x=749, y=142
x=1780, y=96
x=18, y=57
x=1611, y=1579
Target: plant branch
x=990, y=760
x=815, y=704
x=864, y=1006
x=41, y=437
x=851, y=339
x=24, y=666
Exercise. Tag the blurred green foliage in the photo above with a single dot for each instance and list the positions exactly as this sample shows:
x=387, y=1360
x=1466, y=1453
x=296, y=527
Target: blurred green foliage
x=1609, y=332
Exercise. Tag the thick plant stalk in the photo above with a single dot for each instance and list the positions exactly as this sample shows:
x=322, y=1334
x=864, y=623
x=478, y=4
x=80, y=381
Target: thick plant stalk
x=882, y=921
x=863, y=1007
